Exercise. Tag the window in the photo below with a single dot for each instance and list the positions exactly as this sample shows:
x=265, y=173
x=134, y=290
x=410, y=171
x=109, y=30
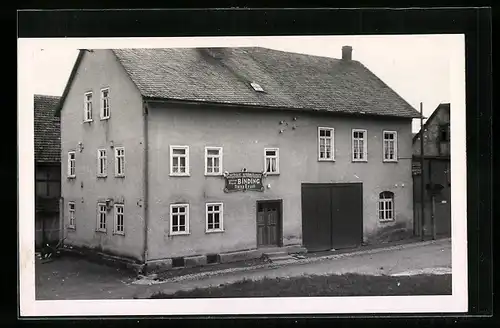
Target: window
x=87, y=106
x=71, y=215
x=271, y=160
x=325, y=144
x=359, y=146
x=102, y=163
x=71, y=164
x=257, y=87
x=179, y=219
x=48, y=182
x=179, y=160
x=120, y=161
x=390, y=146
x=386, y=206
x=213, y=160
x=104, y=104
x=101, y=217
x=444, y=132
x=119, y=226
x=214, y=217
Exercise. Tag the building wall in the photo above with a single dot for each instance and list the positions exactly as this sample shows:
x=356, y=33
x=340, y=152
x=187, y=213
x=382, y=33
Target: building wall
x=48, y=193
x=243, y=134
x=436, y=171
x=431, y=135
x=99, y=69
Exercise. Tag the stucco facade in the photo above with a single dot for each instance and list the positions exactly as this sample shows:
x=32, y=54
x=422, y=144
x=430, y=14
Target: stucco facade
x=436, y=170
x=434, y=145
x=100, y=69
x=147, y=128
x=243, y=134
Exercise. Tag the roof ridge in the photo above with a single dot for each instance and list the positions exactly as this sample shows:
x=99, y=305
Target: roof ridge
x=46, y=96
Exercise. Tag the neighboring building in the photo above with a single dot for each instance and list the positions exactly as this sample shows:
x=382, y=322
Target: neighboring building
x=436, y=171
x=147, y=135
x=47, y=169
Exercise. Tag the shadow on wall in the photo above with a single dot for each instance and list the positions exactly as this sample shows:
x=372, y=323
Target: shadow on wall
x=395, y=232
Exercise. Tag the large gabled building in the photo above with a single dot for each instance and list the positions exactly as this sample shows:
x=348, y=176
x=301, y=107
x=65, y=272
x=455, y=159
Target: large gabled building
x=183, y=156
x=47, y=145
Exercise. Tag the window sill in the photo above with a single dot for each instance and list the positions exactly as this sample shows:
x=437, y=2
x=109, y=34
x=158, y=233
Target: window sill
x=88, y=121
x=214, y=231
x=390, y=161
x=213, y=174
x=275, y=173
x=179, y=233
x=102, y=176
x=101, y=231
x=386, y=221
x=119, y=234
x=359, y=161
x=179, y=175
x=71, y=228
x=104, y=118
x=326, y=160
x=121, y=176
x=71, y=177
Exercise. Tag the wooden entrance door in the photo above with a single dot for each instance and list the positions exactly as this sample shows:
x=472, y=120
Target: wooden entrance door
x=332, y=216
x=268, y=223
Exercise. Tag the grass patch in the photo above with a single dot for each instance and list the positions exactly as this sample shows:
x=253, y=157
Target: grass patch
x=334, y=285
x=178, y=272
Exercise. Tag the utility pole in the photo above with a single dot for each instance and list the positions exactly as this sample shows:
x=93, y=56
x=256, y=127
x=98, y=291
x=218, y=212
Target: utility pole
x=422, y=186
x=433, y=219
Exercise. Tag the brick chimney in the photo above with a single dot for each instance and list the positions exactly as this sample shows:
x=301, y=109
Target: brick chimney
x=346, y=52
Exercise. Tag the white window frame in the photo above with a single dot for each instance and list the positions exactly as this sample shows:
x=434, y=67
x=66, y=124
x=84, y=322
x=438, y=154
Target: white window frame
x=99, y=212
x=277, y=156
x=186, y=155
x=102, y=163
x=365, y=145
x=385, y=201
x=332, y=144
x=221, y=217
x=71, y=215
x=71, y=164
x=384, y=146
x=117, y=161
x=219, y=156
x=115, y=223
x=105, y=114
x=186, y=213
x=86, y=103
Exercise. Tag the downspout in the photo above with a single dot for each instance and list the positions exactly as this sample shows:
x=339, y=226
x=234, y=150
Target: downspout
x=145, y=179
x=422, y=178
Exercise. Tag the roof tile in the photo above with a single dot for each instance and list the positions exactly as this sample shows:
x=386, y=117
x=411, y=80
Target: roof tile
x=47, y=129
x=289, y=80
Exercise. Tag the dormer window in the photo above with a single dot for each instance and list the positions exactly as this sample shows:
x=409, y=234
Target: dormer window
x=256, y=87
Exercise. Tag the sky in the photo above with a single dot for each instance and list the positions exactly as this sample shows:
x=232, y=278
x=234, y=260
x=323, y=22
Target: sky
x=417, y=67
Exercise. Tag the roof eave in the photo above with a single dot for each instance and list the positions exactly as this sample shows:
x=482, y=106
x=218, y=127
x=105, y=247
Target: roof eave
x=295, y=109
x=70, y=81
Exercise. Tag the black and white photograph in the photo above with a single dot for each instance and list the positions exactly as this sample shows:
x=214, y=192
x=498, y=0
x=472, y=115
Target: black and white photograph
x=221, y=175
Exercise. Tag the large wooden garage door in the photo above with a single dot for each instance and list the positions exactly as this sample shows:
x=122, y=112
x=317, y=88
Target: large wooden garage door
x=332, y=216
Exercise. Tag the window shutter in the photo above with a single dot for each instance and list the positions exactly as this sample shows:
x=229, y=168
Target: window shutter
x=365, y=144
x=395, y=146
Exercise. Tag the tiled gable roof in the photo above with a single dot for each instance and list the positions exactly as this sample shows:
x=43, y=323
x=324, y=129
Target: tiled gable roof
x=47, y=129
x=289, y=80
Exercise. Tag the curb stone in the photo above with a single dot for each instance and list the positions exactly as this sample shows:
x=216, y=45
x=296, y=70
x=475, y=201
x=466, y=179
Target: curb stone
x=197, y=276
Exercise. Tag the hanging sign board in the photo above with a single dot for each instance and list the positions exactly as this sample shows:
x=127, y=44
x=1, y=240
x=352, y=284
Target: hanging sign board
x=416, y=169
x=243, y=181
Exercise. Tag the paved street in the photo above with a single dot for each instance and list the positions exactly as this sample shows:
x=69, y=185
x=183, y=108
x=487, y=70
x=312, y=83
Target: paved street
x=70, y=278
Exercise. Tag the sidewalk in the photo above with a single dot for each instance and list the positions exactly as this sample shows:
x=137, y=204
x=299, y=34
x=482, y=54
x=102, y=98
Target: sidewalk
x=430, y=256
x=70, y=278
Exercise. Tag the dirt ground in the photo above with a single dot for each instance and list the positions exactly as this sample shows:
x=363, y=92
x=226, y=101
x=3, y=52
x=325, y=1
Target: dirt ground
x=75, y=278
